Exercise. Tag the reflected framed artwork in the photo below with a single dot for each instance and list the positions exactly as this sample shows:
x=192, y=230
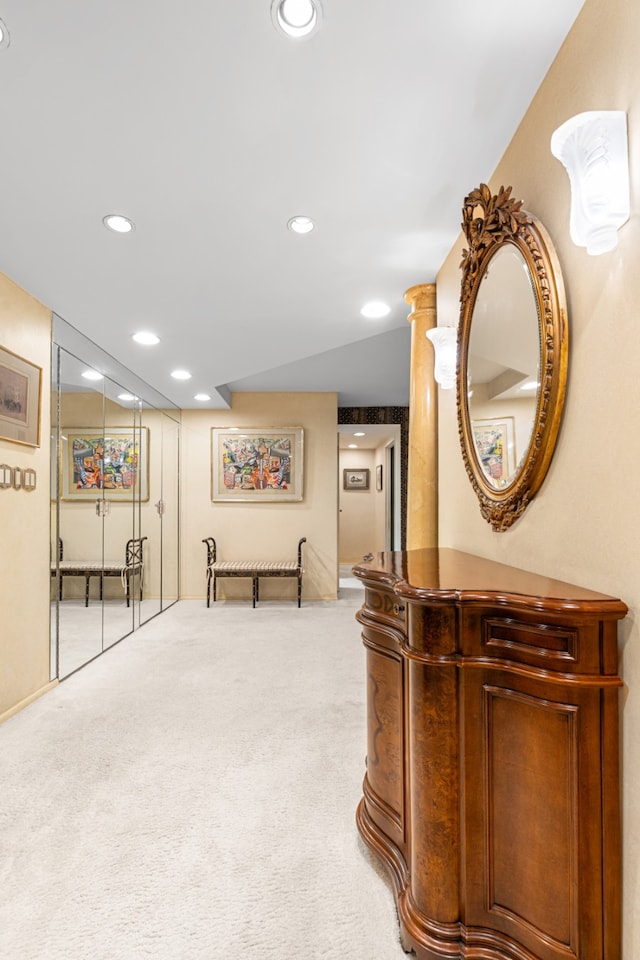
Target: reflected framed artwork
x=495, y=446
x=257, y=464
x=379, y=477
x=20, y=388
x=113, y=463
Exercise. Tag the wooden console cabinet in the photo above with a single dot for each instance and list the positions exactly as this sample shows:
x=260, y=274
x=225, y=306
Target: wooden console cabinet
x=492, y=787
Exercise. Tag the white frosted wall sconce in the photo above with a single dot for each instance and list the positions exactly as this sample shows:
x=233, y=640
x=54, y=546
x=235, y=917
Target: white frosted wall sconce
x=444, y=340
x=592, y=147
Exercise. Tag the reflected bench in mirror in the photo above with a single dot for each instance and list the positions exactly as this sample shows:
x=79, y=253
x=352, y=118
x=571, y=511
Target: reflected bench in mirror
x=132, y=566
x=250, y=568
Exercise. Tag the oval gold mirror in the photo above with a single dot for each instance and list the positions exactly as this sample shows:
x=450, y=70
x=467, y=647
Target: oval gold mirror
x=512, y=353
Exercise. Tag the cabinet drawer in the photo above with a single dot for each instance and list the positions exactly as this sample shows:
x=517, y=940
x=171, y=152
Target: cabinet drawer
x=530, y=643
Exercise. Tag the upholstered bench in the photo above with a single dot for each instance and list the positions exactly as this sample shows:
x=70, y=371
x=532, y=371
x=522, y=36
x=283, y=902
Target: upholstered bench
x=133, y=565
x=255, y=569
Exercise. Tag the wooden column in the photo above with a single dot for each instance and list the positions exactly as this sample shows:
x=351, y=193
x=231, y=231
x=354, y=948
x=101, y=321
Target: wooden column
x=422, y=488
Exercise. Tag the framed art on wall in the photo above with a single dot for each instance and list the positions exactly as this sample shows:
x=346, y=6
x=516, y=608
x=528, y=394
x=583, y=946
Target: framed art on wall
x=113, y=464
x=379, y=477
x=20, y=387
x=356, y=479
x=258, y=464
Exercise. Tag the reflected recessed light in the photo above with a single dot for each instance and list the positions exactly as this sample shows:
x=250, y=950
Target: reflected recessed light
x=359, y=434
x=301, y=224
x=127, y=397
x=146, y=338
x=353, y=446
x=92, y=375
x=296, y=18
x=181, y=375
x=530, y=385
x=235, y=429
x=375, y=310
x=118, y=223
x=5, y=39
x=202, y=396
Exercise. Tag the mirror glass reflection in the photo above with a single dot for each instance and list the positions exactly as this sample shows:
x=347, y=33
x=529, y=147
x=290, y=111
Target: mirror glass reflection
x=114, y=481
x=148, y=521
x=169, y=509
x=503, y=366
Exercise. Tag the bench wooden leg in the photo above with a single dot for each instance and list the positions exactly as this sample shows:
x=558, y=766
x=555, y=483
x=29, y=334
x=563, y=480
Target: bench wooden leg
x=255, y=590
x=214, y=588
x=86, y=590
x=299, y=591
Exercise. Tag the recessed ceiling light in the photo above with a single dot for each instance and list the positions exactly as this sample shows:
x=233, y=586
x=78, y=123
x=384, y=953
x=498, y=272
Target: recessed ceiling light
x=146, y=338
x=118, y=223
x=127, y=397
x=359, y=434
x=297, y=19
x=353, y=446
x=203, y=397
x=5, y=39
x=375, y=310
x=301, y=224
x=181, y=375
x=92, y=375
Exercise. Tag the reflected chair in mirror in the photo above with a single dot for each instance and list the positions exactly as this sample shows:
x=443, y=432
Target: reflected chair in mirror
x=133, y=566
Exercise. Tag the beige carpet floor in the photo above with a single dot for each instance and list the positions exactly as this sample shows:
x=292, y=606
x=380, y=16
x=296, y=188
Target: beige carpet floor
x=190, y=795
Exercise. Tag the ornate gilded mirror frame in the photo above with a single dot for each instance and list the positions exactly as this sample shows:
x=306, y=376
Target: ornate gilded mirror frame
x=490, y=222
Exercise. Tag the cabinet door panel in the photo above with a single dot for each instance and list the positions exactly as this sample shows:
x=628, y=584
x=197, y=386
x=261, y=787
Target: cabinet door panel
x=533, y=856
x=385, y=755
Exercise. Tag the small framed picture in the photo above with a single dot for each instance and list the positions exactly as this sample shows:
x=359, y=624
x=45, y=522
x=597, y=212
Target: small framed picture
x=379, y=477
x=20, y=386
x=356, y=479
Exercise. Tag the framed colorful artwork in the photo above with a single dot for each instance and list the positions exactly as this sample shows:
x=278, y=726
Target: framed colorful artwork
x=495, y=448
x=258, y=464
x=20, y=388
x=355, y=479
x=113, y=463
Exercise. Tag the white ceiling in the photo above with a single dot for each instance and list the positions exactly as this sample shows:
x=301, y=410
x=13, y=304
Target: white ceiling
x=209, y=129
x=375, y=434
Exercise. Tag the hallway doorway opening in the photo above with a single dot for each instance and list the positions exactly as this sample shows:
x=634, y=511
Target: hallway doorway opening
x=369, y=514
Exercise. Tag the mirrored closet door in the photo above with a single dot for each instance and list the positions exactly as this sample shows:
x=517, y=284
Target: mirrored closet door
x=114, y=517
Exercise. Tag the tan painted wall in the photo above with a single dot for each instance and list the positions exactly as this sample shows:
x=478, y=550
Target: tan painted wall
x=25, y=329
x=267, y=531
x=584, y=525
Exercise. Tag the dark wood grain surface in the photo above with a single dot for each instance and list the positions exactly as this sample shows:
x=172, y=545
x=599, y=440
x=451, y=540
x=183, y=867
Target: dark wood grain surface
x=492, y=783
